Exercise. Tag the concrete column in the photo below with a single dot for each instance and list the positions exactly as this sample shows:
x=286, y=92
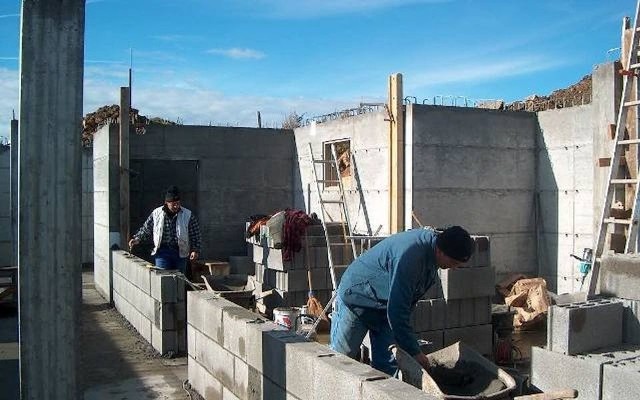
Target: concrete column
x=14, y=191
x=49, y=198
x=125, y=107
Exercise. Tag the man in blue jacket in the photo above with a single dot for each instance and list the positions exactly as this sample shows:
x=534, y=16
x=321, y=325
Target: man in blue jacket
x=380, y=288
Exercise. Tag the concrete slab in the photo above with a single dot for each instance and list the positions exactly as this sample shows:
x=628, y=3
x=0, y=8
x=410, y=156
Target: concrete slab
x=620, y=380
x=620, y=276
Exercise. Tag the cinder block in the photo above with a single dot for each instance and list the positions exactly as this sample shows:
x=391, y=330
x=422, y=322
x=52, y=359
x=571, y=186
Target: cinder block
x=273, y=259
x=165, y=316
x=429, y=315
x=164, y=286
x=133, y=271
x=631, y=321
x=215, y=359
x=228, y=395
x=467, y=312
x=302, y=357
x=202, y=381
x=135, y=318
x=140, y=300
x=274, y=344
x=479, y=337
x=204, y=313
x=464, y=283
x=620, y=276
x=247, y=380
x=346, y=376
x=481, y=255
x=258, y=254
x=241, y=265
x=297, y=280
x=392, y=389
x=620, y=380
x=259, y=272
x=235, y=323
x=583, y=372
x=580, y=327
x=164, y=341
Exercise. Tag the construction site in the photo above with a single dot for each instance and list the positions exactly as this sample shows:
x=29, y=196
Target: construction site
x=546, y=306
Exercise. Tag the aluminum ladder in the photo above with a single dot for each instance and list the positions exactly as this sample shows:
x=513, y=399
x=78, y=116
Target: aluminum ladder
x=616, y=178
x=341, y=201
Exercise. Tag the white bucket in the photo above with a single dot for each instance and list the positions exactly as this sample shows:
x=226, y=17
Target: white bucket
x=287, y=317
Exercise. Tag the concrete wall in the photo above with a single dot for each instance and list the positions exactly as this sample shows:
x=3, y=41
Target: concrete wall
x=241, y=172
x=152, y=301
x=476, y=168
x=105, y=206
x=6, y=242
x=368, y=134
x=233, y=354
x=87, y=205
x=565, y=193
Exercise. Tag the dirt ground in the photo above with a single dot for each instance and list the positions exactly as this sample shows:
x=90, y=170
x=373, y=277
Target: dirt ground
x=116, y=362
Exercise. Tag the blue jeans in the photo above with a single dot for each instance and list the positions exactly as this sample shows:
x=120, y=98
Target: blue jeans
x=168, y=258
x=350, y=326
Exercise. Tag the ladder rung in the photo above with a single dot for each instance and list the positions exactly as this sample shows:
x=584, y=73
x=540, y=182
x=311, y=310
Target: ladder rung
x=331, y=201
x=632, y=103
x=634, y=66
x=321, y=161
x=328, y=181
x=624, y=181
x=629, y=141
x=618, y=221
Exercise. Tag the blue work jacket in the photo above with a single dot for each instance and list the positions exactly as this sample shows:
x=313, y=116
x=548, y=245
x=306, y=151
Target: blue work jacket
x=393, y=276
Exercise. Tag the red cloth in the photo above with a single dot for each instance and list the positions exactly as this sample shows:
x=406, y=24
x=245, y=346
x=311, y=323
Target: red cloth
x=295, y=225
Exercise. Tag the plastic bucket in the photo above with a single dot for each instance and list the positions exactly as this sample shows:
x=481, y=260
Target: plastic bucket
x=287, y=317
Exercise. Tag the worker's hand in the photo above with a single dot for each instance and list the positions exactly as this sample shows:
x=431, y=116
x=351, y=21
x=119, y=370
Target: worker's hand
x=422, y=359
x=133, y=242
x=193, y=255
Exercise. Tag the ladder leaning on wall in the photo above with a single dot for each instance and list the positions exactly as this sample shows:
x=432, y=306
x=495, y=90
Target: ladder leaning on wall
x=617, y=178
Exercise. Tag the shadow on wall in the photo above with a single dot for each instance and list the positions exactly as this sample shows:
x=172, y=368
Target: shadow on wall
x=546, y=215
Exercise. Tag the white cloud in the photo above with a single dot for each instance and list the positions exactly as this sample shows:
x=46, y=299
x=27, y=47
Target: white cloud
x=238, y=53
x=9, y=15
x=480, y=71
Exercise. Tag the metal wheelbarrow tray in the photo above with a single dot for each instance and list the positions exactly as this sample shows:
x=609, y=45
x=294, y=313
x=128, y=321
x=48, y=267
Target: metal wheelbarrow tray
x=457, y=372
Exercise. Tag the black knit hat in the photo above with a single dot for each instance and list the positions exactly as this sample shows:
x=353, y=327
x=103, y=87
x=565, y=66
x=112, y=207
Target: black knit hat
x=172, y=194
x=456, y=243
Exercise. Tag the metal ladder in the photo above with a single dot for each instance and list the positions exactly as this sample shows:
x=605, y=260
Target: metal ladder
x=347, y=227
x=616, y=178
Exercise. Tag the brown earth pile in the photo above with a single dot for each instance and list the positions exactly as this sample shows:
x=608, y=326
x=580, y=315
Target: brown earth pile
x=111, y=113
x=574, y=95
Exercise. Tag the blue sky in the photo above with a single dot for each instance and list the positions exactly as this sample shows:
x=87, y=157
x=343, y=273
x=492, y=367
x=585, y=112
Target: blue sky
x=220, y=61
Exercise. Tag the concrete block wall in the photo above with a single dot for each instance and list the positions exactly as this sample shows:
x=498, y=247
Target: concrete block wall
x=584, y=372
x=234, y=354
x=458, y=306
x=290, y=278
x=152, y=301
x=6, y=240
x=584, y=326
x=368, y=136
x=234, y=180
x=475, y=168
x=87, y=205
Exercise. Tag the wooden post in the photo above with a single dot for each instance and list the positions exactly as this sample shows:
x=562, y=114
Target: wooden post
x=125, y=108
x=396, y=155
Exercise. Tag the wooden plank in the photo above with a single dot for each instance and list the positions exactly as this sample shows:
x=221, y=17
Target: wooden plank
x=396, y=159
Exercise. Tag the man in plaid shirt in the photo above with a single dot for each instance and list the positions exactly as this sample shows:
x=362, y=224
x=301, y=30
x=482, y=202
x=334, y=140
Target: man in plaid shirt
x=175, y=232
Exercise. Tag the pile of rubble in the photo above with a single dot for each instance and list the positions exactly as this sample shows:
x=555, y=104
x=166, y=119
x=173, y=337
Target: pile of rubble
x=574, y=95
x=111, y=114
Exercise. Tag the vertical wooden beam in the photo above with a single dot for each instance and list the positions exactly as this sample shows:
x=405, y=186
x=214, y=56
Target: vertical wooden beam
x=125, y=108
x=396, y=154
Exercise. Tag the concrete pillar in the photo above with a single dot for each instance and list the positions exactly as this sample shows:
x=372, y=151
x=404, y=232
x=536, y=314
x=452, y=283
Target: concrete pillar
x=125, y=107
x=49, y=198
x=14, y=191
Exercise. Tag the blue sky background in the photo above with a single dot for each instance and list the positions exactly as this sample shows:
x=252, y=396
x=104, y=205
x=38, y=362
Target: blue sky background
x=220, y=61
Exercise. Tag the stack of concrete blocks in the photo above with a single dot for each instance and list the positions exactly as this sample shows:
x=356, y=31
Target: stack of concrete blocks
x=584, y=340
x=152, y=301
x=234, y=354
x=290, y=278
x=458, y=306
